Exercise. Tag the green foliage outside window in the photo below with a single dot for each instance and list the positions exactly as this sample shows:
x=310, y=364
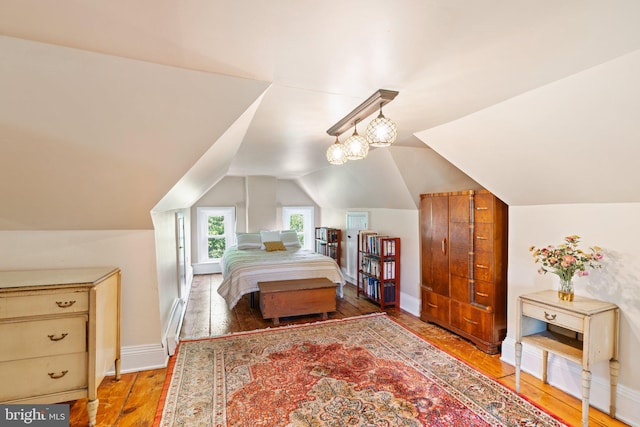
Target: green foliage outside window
x=296, y=222
x=216, y=225
x=216, y=236
x=216, y=247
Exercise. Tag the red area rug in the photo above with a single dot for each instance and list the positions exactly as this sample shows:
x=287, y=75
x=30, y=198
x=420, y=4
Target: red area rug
x=364, y=371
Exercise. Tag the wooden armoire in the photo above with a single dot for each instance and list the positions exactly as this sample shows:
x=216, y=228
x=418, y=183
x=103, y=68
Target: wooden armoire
x=464, y=265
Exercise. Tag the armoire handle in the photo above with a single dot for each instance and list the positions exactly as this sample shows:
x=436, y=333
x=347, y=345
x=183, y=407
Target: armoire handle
x=444, y=246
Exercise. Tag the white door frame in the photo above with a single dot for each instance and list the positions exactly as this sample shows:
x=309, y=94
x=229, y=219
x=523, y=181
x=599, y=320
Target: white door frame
x=356, y=221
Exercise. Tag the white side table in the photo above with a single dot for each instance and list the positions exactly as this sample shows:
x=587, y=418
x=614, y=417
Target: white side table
x=598, y=323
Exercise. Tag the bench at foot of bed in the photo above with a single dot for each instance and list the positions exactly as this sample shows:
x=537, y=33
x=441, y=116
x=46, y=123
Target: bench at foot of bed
x=283, y=298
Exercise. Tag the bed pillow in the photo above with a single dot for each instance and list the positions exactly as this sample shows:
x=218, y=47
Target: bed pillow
x=249, y=240
x=274, y=246
x=290, y=238
x=269, y=236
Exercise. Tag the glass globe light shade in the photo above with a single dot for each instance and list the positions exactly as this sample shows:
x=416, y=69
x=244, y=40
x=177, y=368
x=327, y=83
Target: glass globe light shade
x=336, y=153
x=381, y=132
x=356, y=146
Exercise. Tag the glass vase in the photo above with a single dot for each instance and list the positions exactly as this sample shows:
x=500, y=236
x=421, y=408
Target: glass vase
x=565, y=290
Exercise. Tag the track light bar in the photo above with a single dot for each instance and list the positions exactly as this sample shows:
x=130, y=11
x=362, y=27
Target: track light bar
x=362, y=111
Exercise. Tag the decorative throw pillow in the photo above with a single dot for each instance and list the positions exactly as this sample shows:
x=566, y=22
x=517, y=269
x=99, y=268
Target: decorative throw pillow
x=249, y=240
x=274, y=246
x=290, y=238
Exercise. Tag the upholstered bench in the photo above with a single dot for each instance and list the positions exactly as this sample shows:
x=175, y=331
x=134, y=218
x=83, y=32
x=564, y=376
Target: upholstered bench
x=283, y=298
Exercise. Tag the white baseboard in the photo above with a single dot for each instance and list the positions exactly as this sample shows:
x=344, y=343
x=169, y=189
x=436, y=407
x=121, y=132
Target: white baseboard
x=142, y=358
x=171, y=336
x=207, y=268
x=567, y=377
x=410, y=304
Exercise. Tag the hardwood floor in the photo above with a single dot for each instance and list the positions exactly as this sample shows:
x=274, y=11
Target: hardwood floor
x=133, y=400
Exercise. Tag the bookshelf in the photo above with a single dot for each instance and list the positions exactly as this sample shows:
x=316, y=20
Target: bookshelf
x=328, y=241
x=379, y=268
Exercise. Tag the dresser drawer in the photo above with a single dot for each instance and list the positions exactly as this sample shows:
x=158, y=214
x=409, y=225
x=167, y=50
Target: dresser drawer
x=23, y=340
x=554, y=316
x=483, y=237
x=473, y=321
x=43, y=304
x=484, y=294
x=435, y=307
x=483, y=266
x=484, y=207
x=42, y=375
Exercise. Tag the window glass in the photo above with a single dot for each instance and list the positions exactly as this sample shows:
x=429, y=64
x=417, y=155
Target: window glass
x=300, y=219
x=216, y=236
x=216, y=232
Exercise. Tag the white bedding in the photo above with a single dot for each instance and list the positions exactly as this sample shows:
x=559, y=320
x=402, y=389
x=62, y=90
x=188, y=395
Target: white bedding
x=243, y=269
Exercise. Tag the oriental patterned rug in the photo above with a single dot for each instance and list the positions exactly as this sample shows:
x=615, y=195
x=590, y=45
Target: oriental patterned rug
x=363, y=371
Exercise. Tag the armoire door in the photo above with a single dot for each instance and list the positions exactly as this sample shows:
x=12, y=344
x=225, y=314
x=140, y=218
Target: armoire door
x=435, y=243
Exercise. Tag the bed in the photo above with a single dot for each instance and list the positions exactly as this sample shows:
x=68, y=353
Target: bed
x=242, y=269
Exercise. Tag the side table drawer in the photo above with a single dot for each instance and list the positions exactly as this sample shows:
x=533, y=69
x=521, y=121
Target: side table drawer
x=43, y=304
x=43, y=375
x=23, y=340
x=554, y=316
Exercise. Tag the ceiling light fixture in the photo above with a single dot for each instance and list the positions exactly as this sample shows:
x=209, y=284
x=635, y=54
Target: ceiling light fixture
x=356, y=146
x=336, y=153
x=381, y=132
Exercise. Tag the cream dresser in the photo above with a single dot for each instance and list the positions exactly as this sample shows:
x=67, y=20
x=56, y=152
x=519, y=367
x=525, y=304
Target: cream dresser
x=60, y=334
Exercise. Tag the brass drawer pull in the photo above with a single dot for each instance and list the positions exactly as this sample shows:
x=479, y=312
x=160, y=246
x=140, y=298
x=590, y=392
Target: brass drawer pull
x=482, y=208
x=54, y=338
x=482, y=238
x=432, y=305
x=482, y=294
x=65, y=304
x=481, y=266
x=469, y=321
x=549, y=316
x=60, y=375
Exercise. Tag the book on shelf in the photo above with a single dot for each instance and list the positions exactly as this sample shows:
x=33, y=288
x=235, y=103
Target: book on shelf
x=327, y=234
x=372, y=242
x=371, y=287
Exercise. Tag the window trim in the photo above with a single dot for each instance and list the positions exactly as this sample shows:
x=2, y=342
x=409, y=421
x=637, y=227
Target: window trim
x=203, y=214
x=308, y=213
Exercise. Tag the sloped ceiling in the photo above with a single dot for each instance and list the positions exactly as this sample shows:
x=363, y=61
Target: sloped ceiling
x=107, y=106
x=572, y=141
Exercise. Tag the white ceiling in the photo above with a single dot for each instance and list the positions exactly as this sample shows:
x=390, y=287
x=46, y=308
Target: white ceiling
x=119, y=102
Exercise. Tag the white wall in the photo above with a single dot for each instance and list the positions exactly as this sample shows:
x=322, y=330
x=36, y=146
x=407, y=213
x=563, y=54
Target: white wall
x=230, y=191
x=133, y=251
x=262, y=206
x=614, y=227
x=402, y=223
x=289, y=193
x=258, y=201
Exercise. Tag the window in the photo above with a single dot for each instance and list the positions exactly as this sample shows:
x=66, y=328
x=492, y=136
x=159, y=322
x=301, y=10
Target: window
x=300, y=219
x=216, y=231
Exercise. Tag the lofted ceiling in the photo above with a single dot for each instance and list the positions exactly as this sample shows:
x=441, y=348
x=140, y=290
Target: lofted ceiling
x=126, y=107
